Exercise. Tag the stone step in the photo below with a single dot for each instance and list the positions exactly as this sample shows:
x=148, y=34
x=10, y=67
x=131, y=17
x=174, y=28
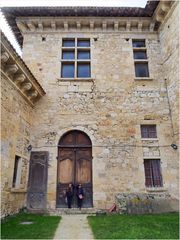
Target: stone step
x=64, y=211
x=71, y=211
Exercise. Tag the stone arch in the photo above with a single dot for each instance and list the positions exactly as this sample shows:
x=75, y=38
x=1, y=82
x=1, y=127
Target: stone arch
x=74, y=165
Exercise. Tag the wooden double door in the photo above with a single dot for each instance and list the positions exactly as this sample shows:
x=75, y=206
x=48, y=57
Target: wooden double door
x=74, y=166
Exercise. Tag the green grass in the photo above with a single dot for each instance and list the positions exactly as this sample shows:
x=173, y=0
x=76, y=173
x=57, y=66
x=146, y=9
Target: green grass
x=160, y=226
x=43, y=227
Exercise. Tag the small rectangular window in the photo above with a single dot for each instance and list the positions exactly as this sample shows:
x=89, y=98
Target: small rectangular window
x=83, y=70
x=83, y=54
x=17, y=172
x=68, y=55
x=68, y=43
x=140, y=54
x=138, y=43
x=83, y=43
x=148, y=131
x=67, y=70
x=153, y=176
x=141, y=69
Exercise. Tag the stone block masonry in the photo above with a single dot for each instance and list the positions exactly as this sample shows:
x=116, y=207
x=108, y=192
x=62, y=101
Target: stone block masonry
x=143, y=203
x=110, y=109
x=109, y=106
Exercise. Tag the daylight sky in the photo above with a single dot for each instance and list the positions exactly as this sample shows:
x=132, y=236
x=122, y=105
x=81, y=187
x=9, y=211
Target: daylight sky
x=17, y=3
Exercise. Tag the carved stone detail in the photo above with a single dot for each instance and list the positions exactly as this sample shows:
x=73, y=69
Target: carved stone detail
x=53, y=25
x=31, y=26
x=104, y=25
x=11, y=69
x=151, y=27
x=33, y=94
x=40, y=26
x=128, y=26
x=140, y=25
x=66, y=26
x=20, y=78
x=91, y=25
x=116, y=25
x=26, y=86
x=4, y=57
x=78, y=24
x=22, y=26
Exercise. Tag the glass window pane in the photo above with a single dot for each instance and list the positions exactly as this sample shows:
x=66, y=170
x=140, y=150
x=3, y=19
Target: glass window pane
x=83, y=70
x=141, y=70
x=138, y=43
x=83, y=55
x=68, y=43
x=148, y=131
x=68, y=55
x=83, y=43
x=67, y=70
x=140, y=55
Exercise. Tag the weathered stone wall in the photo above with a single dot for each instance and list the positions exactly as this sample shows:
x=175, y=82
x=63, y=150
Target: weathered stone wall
x=141, y=203
x=15, y=134
x=169, y=42
x=109, y=108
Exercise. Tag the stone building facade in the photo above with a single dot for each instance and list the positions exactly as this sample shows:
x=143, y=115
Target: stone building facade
x=110, y=76
x=19, y=93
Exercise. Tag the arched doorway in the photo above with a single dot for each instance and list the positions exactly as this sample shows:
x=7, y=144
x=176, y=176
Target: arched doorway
x=74, y=166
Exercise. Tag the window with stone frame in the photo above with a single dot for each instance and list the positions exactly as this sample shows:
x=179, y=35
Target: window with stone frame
x=148, y=131
x=76, y=58
x=140, y=58
x=17, y=172
x=153, y=176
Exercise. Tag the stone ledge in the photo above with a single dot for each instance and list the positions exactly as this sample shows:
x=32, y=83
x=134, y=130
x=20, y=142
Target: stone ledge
x=158, y=189
x=16, y=190
x=143, y=79
x=75, y=79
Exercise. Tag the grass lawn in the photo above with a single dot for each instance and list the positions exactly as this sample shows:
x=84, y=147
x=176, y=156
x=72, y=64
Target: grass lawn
x=43, y=227
x=160, y=226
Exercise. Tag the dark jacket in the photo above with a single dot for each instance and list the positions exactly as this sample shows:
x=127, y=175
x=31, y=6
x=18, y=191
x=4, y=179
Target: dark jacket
x=69, y=193
x=80, y=191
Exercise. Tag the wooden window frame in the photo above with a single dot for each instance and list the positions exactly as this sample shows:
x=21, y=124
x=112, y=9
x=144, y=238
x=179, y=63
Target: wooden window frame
x=149, y=131
x=143, y=60
x=76, y=60
x=153, y=173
